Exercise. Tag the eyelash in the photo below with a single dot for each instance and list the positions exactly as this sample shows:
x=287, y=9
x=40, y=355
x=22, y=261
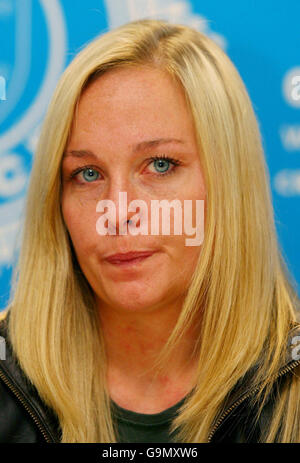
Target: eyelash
x=174, y=162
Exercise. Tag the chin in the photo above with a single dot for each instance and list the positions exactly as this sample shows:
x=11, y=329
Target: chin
x=134, y=300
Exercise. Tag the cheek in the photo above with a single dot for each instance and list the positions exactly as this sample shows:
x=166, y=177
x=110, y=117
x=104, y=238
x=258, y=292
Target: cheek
x=184, y=259
x=190, y=256
x=190, y=260
x=80, y=220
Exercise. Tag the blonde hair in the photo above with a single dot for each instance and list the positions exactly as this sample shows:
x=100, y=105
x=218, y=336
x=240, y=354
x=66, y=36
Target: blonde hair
x=241, y=280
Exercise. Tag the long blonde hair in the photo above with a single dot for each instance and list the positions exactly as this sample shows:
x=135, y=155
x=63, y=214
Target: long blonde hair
x=241, y=281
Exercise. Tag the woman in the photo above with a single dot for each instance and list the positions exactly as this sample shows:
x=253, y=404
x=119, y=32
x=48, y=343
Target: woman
x=188, y=343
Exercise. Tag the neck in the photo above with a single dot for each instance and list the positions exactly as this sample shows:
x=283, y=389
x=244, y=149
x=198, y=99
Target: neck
x=133, y=341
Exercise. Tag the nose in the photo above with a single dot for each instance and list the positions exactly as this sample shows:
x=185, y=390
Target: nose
x=119, y=195
x=123, y=217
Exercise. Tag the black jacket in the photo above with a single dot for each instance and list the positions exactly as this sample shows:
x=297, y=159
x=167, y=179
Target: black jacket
x=24, y=418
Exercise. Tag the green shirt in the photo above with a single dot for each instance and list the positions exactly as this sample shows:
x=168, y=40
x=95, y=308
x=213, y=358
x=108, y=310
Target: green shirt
x=139, y=427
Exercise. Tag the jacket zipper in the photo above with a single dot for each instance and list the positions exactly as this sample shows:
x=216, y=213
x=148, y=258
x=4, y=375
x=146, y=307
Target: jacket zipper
x=246, y=396
x=33, y=415
x=49, y=439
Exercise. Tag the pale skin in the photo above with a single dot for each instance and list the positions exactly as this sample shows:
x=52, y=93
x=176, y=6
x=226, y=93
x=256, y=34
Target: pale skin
x=138, y=307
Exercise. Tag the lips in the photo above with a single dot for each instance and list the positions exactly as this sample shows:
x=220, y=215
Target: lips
x=128, y=256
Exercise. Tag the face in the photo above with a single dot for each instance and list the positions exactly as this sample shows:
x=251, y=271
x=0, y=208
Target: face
x=108, y=153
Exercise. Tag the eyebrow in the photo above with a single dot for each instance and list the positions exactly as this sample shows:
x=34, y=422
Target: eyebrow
x=147, y=144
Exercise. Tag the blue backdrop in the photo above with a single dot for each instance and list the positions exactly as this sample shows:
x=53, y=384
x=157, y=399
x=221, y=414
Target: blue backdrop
x=38, y=38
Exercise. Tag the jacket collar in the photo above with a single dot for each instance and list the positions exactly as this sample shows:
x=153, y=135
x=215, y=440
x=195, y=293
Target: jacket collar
x=241, y=390
x=23, y=388
x=20, y=382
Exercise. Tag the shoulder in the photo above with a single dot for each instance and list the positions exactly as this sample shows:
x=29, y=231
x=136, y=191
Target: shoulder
x=24, y=417
x=241, y=419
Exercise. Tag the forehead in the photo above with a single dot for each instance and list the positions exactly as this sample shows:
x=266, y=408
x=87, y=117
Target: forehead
x=133, y=102
x=138, y=81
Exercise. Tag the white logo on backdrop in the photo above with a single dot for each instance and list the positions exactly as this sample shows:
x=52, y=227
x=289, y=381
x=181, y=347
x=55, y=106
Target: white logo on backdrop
x=290, y=134
x=13, y=177
x=2, y=88
x=122, y=11
x=291, y=87
x=290, y=137
x=287, y=182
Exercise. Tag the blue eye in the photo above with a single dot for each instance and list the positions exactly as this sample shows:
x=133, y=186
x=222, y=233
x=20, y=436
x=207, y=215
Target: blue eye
x=90, y=174
x=87, y=174
x=162, y=165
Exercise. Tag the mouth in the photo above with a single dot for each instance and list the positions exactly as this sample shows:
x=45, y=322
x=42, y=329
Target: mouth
x=129, y=259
